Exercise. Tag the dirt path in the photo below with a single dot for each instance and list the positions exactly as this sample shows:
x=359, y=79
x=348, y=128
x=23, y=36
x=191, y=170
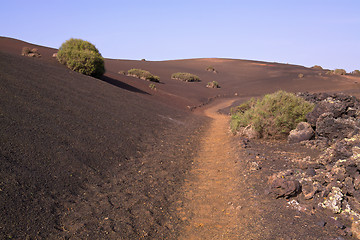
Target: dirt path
x=225, y=199
x=212, y=187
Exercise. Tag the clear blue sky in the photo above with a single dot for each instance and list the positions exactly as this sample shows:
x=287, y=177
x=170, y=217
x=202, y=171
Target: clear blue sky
x=304, y=32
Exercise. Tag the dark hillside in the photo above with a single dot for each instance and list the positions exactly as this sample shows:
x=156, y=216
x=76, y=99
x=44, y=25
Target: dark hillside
x=68, y=139
x=242, y=78
x=88, y=158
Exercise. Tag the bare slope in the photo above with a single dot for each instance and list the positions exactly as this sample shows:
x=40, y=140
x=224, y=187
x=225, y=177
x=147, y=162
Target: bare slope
x=241, y=77
x=236, y=77
x=83, y=157
x=106, y=159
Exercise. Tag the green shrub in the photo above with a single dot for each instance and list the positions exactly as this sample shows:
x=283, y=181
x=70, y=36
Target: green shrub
x=242, y=108
x=211, y=69
x=26, y=51
x=186, y=77
x=152, y=86
x=142, y=74
x=122, y=72
x=213, y=84
x=340, y=71
x=355, y=72
x=300, y=75
x=317, y=67
x=274, y=116
x=81, y=56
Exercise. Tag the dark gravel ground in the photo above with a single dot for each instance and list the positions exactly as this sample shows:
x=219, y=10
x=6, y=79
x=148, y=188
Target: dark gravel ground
x=280, y=218
x=87, y=159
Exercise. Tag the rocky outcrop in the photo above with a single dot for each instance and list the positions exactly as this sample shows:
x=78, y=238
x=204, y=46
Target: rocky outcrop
x=332, y=180
x=335, y=116
x=336, y=128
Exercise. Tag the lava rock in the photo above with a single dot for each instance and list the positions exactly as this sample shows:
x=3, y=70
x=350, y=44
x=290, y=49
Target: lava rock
x=281, y=187
x=250, y=132
x=335, y=128
x=310, y=172
x=303, y=132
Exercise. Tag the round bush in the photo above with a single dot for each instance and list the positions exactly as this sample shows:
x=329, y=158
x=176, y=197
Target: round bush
x=81, y=56
x=273, y=116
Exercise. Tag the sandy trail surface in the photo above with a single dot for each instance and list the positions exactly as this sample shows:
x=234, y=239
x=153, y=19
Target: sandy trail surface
x=212, y=188
x=225, y=199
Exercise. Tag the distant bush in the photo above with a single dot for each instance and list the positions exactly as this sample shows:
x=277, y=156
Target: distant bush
x=300, y=75
x=274, y=116
x=213, y=84
x=317, y=67
x=339, y=71
x=143, y=60
x=122, y=72
x=355, y=72
x=211, y=69
x=26, y=51
x=81, y=56
x=186, y=77
x=142, y=74
x=152, y=86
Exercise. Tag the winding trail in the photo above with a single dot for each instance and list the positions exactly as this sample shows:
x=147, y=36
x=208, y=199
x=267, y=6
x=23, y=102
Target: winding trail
x=212, y=187
x=225, y=199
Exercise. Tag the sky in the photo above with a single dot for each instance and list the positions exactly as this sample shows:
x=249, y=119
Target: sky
x=302, y=32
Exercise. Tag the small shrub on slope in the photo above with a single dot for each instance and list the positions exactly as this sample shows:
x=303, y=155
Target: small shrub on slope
x=26, y=51
x=152, y=86
x=213, y=84
x=186, y=77
x=317, y=67
x=142, y=74
x=81, y=56
x=355, y=72
x=273, y=116
x=340, y=71
x=211, y=69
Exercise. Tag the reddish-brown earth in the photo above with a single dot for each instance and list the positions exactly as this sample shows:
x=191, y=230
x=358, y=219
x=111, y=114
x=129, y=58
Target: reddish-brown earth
x=83, y=158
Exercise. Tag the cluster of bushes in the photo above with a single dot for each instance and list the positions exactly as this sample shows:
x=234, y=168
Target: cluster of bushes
x=26, y=51
x=213, y=84
x=81, y=56
x=273, y=116
x=143, y=74
x=336, y=72
x=186, y=77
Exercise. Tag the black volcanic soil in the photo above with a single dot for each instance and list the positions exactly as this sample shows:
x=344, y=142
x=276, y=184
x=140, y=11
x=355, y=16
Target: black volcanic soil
x=68, y=140
x=280, y=218
x=83, y=158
